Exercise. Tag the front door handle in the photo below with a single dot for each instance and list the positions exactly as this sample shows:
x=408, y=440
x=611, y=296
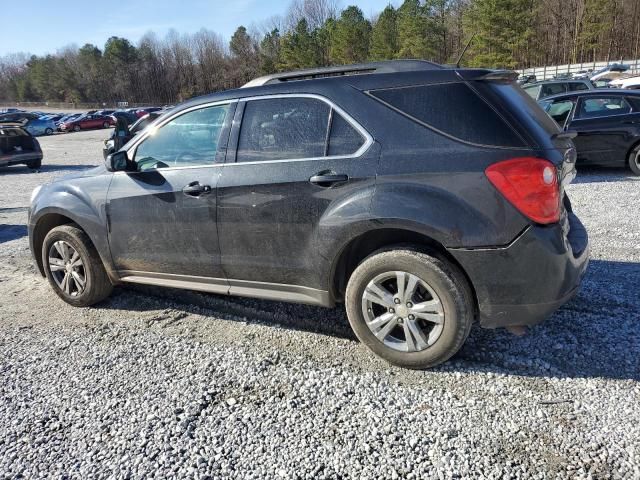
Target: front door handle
x=328, y=179
x=194, y=189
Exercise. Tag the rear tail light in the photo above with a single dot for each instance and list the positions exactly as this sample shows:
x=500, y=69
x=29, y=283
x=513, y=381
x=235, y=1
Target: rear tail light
x=531, y=185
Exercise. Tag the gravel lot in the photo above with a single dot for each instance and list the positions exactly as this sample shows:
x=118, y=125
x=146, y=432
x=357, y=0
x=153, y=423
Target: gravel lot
x=162, y=383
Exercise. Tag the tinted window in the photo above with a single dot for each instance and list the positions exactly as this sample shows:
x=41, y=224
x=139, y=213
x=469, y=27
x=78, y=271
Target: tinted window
x=553, y=88
x=343, y=139
x=453, y=109
x=594, y=107
x=187, y=140
x=283, y=128
x=635, y=103
x=574, y=87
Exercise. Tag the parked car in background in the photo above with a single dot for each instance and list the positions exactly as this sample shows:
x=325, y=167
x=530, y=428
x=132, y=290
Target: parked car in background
x=607, y=123
x=425, y=198
x=9, y=110
x=631, y=82
x=545, y=88
x=104, y=112
x=40, y=126
x=87, y=122
x=19, y=116
x=118, y=139
x=18, y=147
x=129, y=117
x=610, y=72
x=526, y=79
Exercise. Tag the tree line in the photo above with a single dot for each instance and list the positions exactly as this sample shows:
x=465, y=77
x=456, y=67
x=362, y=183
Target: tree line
x=315, y=33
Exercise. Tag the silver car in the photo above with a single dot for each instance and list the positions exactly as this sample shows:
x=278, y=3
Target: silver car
x=40, y=126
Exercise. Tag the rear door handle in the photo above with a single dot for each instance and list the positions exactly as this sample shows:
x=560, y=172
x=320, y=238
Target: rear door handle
x=328, y=179
x=194, y=189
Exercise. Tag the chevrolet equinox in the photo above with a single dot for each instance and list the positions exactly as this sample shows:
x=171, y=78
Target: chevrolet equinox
x=424, y=197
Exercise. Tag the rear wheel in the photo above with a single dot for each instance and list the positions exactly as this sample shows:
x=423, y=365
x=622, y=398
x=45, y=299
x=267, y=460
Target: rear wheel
x=73, y=267
x=634, y=160
x=106, y=124
x=48, y=131
x=410, y=308
x=34, y=164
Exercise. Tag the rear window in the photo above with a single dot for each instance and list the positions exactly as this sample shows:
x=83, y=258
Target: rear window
x=453, y=109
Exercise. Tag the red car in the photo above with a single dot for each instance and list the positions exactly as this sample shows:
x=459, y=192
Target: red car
x=87, y=122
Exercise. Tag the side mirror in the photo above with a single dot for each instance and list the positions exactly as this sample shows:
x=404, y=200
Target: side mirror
x=117, y=161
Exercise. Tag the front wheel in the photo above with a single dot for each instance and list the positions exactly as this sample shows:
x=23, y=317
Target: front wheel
x=410, y=308
x=48, y=131
x=73, y=267
x=76, y=128
x=634, y=160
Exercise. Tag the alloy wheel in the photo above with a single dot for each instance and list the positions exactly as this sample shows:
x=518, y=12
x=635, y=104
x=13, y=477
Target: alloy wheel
x=403, y=311
x=67, y=268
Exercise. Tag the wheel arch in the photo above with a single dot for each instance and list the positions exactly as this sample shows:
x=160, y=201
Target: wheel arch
x=365, y=244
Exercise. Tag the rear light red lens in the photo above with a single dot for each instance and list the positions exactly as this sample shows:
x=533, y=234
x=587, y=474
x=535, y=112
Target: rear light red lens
x=531, y=185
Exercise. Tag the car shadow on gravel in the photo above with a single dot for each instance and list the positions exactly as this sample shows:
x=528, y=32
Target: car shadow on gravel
x=21, y=169
x=604, y=175
x=324, y=321
x=597, y=334
x=12, y=232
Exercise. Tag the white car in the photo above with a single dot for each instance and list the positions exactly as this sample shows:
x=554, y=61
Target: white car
x=632, y=83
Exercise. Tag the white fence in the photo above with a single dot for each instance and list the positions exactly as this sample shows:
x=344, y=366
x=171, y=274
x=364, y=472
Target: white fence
x=543, y=73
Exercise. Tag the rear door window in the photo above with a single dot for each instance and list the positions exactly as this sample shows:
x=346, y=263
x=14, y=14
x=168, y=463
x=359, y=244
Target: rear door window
x=454, y=110
x=549, y=89
x=294, y=128
x=594, y=107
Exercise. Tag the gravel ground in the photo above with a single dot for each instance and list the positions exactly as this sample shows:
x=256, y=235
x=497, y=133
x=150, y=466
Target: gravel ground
x=161, y=383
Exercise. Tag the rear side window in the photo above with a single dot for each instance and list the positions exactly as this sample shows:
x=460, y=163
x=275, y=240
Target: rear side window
x=602, y=107
x=453, y=109
x=294, y=128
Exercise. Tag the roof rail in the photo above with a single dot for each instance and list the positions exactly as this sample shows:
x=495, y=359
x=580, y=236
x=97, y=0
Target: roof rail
x=391, y=66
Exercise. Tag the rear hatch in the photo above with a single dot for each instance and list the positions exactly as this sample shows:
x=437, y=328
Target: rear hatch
x=17, y=144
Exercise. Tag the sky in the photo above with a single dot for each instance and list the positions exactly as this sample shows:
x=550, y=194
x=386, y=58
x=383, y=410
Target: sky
x=44, y=26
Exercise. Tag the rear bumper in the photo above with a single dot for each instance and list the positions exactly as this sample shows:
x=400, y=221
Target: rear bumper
x=19, y=158
x=526, y=281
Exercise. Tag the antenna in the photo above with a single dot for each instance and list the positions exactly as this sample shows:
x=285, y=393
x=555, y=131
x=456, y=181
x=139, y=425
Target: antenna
x=464, y=50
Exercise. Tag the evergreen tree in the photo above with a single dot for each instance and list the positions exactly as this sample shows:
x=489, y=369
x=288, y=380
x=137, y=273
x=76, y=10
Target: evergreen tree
x=415, y=31
x=299, y=48
x=502, y=28
x=384, y=35
x=350, y=39
x=270, y=52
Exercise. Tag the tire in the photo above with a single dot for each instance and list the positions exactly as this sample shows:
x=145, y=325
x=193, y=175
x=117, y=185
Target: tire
x=76, y=128
x=438, y=282
x=48, y=131
x=97, y=286
x=634, y=160
x=106, y=124
x=34, y=164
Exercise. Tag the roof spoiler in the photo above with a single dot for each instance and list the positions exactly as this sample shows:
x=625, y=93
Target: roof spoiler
x=499, y=76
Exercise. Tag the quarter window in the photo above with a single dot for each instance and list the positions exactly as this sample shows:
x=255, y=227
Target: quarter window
x=453, y=109
x=559, y=110
x=294, y=128
x=553, y=89
x=576, y=86
x=603, y=107
x=188, y=140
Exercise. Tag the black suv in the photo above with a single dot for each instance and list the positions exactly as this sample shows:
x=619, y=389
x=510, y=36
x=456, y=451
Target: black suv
x=422, y=197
